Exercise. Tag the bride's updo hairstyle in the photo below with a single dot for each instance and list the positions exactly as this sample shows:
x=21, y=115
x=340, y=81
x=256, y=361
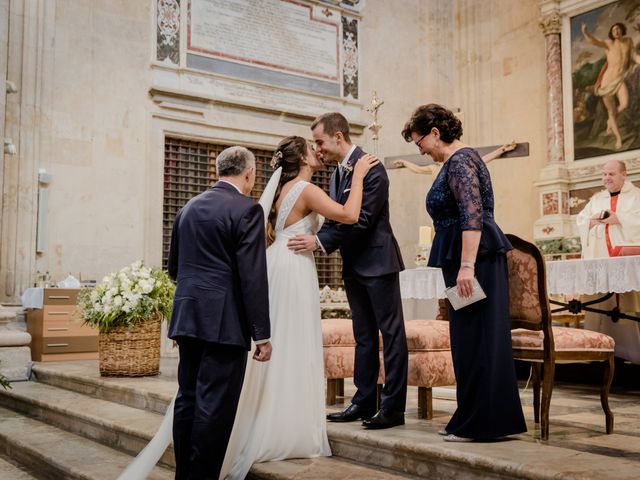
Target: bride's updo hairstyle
x=288, y=155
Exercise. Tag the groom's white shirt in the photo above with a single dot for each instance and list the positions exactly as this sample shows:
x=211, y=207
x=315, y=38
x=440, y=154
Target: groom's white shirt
x=345, y=160
x=344, y=163
x=259, y=342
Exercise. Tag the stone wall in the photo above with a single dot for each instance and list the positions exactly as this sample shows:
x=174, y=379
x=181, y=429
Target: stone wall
x=487, y=60
x=81, y=114
x=95, y=106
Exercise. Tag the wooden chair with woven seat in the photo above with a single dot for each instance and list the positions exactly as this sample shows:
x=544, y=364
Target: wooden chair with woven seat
x=536, y=341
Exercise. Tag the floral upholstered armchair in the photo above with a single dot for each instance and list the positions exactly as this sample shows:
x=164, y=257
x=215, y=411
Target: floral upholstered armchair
x=536, y=341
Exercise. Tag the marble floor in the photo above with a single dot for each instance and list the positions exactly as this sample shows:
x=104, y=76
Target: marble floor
x=578, y=446
x=576, y=417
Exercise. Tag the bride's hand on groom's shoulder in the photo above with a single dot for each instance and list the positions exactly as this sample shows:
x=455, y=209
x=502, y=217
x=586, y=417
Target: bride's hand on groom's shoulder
x=366, y=163
x=263, y=352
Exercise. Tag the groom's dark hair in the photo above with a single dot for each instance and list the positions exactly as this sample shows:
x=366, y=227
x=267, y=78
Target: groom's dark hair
x=332, y=123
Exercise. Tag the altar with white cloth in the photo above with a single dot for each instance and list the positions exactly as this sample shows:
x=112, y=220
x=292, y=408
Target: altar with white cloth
x=420, y=289
x=602, y=277
x=609, y=286
x=422, y=283
x=598, y=275
x=568, y=277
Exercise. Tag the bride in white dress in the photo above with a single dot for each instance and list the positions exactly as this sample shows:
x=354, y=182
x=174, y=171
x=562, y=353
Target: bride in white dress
x=281, y=410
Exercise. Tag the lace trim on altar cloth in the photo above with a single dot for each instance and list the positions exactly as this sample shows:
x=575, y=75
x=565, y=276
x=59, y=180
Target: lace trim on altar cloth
x=288, y=203
x=423, y=283
x=600, y=275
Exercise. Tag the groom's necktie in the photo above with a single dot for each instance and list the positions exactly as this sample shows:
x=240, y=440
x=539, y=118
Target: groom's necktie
x=342, y=172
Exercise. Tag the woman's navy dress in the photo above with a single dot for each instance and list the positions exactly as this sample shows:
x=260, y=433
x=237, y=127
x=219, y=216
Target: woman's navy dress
x=460, y=199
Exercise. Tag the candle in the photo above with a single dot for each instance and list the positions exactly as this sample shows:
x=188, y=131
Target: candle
x=425, y=235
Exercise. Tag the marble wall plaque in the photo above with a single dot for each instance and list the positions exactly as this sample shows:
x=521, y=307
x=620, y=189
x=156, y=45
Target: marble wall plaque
x=254, y=95
x=350, y=65
x=288, y=36
x=168, y=31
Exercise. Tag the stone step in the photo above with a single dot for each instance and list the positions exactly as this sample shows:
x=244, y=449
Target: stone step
x=115, y=425
x=57, y=454
x=325, y=468
x=413, y=449
x=130, y=429
x=76, y=403
x=10, y=471
x=148, y=393
x=6, y=315
x=417, y=449
x=112, y=424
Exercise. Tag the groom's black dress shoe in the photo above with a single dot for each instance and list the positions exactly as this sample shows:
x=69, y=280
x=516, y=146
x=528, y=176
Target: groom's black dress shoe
x=384, y=419
x=351, y=413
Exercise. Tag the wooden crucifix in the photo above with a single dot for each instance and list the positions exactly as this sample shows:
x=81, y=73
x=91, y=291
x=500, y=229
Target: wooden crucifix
x=487, y=153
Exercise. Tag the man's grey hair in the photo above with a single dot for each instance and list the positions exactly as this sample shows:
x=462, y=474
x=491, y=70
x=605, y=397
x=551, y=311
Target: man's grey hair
x=232, y=161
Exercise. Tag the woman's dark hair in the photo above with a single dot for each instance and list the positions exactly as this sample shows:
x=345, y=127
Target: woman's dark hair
x=623, y=29
x=432, y=115
x=288, y=155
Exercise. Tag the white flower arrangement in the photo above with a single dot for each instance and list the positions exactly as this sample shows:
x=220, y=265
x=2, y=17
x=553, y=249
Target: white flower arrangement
x=133, y=294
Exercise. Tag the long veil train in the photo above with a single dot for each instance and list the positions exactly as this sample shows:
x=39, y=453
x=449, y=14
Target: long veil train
x=142, y=465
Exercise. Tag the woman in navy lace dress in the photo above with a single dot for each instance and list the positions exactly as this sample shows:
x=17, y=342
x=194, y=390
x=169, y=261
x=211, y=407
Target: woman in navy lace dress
x=468, y=243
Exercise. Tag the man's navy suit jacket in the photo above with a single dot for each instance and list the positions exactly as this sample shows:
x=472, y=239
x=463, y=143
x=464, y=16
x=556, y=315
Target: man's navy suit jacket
x=218, y=258
x=368, y=248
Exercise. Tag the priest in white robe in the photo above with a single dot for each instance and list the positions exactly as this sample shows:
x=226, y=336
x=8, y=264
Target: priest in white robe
x=610, y=220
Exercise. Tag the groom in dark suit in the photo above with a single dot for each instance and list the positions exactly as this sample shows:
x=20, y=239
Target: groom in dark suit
x=371, y=266
x=218, y=258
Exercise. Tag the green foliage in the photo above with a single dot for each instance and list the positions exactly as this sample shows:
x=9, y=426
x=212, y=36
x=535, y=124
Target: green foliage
x=4, y=383
x=559, y=245
x=128, y=297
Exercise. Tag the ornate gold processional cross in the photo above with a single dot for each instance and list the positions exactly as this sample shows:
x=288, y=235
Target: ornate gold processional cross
x=375, y=127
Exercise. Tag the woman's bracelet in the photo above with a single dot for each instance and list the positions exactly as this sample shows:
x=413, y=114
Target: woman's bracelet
x=467, y=264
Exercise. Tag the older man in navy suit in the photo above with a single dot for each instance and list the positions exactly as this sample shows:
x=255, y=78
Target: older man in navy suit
x=371, y=266
x=218, y=258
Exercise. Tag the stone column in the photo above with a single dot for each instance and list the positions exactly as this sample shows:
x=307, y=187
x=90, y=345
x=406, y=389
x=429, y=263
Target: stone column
x=553, y=229
x=27, y=122
x=551, y=26
x=4, y=42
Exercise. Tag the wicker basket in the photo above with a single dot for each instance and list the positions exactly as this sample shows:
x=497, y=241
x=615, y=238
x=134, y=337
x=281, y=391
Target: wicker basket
x=132, y=352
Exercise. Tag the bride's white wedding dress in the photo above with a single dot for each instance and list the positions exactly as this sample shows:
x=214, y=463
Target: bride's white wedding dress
x=281, y=411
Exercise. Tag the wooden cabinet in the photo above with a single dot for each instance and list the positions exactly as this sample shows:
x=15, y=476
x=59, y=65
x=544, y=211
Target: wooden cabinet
x=57, y=331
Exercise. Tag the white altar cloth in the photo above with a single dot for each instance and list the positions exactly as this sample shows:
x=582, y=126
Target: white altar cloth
x=422, y=283
x=602, y=276
x=598, y=275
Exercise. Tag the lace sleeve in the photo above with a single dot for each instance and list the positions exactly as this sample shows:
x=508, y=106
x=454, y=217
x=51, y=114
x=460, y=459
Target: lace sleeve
x=464, y=182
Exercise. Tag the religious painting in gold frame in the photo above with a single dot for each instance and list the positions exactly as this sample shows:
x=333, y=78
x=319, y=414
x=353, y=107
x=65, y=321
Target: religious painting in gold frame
x=605, y=79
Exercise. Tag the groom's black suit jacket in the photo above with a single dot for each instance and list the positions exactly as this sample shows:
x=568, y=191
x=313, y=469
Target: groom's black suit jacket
x=368, y=248
x=218, y=258
x=371, y=263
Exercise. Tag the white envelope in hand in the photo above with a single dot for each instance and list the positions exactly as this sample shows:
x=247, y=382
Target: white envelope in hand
x=457, y=301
